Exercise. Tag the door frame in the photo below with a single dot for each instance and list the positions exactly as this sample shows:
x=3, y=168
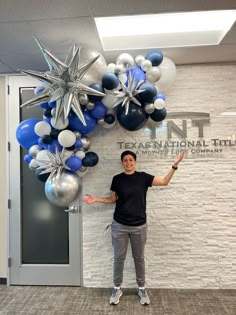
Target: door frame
x=34, y=274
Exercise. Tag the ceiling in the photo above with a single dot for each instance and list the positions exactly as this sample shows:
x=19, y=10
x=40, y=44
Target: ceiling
x=61, y=23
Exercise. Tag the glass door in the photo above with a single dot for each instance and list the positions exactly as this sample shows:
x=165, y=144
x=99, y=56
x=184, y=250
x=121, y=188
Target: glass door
x=44, y=240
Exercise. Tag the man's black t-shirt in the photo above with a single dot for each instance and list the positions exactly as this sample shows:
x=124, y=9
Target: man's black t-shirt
x=131, y=193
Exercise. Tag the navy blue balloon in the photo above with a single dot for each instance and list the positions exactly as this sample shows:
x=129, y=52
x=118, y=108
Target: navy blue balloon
x=109, y=119
x=74, y=163
x=110, y=81
x=155, y=56
x=25, y=134
x=98, y=87
x=138, y=74
x=149, y=93
x=134, y=120
x=99, y=110
x=76, y=125
x=47, y=139
x=42, y=177
x=40, y=142
x=159, y=114
x=90, y=159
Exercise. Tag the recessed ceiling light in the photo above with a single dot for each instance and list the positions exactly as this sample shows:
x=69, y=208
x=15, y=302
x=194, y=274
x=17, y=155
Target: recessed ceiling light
x=164, y=30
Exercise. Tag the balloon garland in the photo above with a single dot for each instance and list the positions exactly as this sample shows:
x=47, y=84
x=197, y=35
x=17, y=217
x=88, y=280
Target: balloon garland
x=75, y=97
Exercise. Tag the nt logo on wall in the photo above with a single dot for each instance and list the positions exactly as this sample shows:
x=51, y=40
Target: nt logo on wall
x=175, y=130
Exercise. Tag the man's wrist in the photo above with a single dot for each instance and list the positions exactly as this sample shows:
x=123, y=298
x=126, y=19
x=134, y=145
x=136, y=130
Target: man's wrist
x=174, y=167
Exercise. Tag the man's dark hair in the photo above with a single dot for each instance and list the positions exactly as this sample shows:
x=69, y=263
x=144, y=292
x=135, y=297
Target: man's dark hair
x=127, y=152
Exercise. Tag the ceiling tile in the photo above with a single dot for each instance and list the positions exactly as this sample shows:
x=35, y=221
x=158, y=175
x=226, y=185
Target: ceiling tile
x=12, y=10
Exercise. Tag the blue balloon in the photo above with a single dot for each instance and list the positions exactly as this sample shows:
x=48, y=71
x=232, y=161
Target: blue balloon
x=52, y=104
x=110, y=81
x=134, y=120
x=25, y=134
x=99, y=110
x=161, y=95
x=98, y=87
x=76, y=125
x=27, y=158
x=74, y=163
x=149, y=93
x=45, y=105
x=38, y=90
x=138, y=74
x=155, y=56
x=43, y=145
x=90, y=159
x=78, y=144
x=159, y=114
x=52, y=146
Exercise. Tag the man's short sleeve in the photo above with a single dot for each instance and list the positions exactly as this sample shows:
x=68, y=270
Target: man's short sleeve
x=114, y=184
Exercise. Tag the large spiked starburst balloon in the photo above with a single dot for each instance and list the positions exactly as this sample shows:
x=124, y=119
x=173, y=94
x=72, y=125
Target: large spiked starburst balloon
x=63, y=83
x=55, y=164
x=128, y=93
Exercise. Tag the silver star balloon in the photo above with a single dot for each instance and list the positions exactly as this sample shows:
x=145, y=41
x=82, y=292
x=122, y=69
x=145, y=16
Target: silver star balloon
x=63, y=83
x=55, y=165
x=128, y=93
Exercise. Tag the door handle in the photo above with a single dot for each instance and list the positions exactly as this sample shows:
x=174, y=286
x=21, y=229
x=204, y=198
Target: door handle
x=72, y=209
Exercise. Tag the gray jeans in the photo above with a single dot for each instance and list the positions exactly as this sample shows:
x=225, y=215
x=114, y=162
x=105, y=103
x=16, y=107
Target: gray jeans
x=120, y=238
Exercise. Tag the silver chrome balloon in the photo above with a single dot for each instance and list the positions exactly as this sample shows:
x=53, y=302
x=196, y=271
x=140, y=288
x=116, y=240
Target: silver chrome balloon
x=77, y=134
x=34, y=150
x=85, y=143
x=63, y=189
x=83, y=99
x=149, y=108
x=90, y=106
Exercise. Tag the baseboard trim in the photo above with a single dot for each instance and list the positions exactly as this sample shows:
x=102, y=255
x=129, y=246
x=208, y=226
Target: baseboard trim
x=3, y=280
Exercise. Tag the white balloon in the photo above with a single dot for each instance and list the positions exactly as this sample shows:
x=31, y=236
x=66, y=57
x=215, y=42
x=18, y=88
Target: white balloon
x=109, y=100
x=111, y=67
x=168, y=74
x=80, y=154
x=139, y=59
x=126, y=60
x=123, y=78
x=66, y=138
x=119, y=69
x=146, y=65
x=153, y=74
x=42, y=157
x=53, y=112
x=159, y=103
x=33, y=165
x=60, y=124
x=96, y=71
x=42, y=128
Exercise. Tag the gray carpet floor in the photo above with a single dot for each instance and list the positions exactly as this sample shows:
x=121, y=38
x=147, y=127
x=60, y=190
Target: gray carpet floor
x=34, y=300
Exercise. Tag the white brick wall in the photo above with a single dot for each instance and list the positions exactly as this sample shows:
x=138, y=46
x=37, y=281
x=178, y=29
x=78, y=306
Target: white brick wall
x=192, y=222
